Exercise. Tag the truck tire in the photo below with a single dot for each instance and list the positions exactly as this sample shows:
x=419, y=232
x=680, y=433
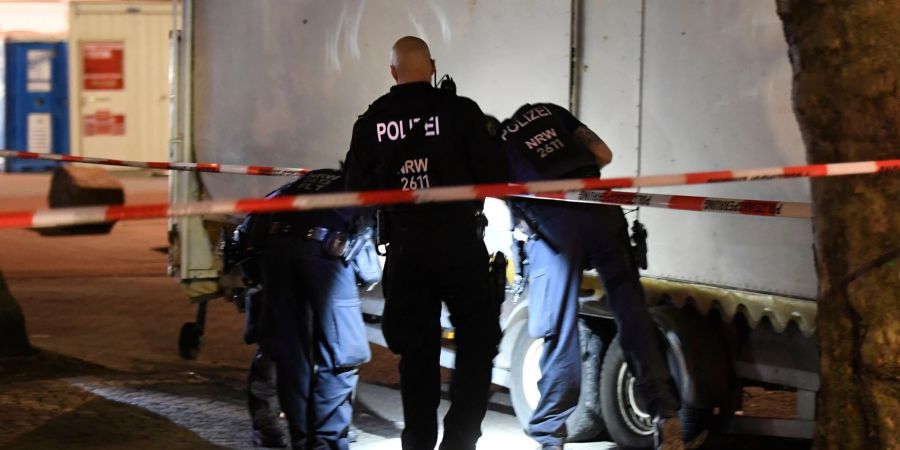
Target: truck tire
x=586, y=422
x=626, y=420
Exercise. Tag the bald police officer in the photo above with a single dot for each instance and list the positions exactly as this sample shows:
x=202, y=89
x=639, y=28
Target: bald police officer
x=417, y=137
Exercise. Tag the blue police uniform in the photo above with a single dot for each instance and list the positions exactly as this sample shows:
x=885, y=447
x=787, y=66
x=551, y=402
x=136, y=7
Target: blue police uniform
x=540, y=144
x=313, y=324
x=416, y=137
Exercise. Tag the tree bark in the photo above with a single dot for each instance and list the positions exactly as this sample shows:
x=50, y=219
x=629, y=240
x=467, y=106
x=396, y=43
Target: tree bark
x=13, y=338
x=846, y=63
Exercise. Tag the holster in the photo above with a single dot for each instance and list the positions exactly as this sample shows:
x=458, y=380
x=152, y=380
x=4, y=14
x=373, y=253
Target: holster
x=639, y=237
x=362, y=255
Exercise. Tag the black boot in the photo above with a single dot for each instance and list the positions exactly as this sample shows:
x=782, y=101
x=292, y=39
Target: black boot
x=271, y=437
x=262, y=402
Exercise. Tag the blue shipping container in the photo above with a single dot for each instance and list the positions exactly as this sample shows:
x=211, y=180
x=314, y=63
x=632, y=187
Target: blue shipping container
x=37, y=102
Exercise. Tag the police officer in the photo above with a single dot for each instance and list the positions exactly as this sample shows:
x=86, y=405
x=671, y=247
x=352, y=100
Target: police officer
x=415, y=137
x=312, y=328
x=545, y=141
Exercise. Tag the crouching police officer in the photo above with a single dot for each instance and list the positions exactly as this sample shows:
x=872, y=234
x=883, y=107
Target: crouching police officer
x=545, y=141
x=311, y=332
x=416, y=137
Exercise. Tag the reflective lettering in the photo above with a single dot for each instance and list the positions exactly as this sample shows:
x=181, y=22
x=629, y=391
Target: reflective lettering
x=544, y=136
x=395, y=134
x=415, y=182
x=433, y=127
x=551, y=147
x=414, y=174
x=418, y=165
x=396, y=130
x=522, y=120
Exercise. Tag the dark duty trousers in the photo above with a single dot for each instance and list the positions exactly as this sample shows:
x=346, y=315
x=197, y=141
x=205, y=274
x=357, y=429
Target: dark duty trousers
x=581, y=235
x=262, y=393
x=317, y=342
x=423, y=269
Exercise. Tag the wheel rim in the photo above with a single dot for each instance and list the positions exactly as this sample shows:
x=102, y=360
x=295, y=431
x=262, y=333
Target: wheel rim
x=636, y=418
x=531, y=372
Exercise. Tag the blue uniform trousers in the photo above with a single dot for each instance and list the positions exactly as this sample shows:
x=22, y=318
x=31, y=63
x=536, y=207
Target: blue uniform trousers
x=574, y=237
x=318, y=339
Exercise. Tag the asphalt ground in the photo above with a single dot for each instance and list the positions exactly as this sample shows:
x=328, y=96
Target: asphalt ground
x=105, y=318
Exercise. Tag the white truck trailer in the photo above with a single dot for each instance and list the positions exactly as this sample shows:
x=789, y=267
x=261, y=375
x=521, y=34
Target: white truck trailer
x=671, y=86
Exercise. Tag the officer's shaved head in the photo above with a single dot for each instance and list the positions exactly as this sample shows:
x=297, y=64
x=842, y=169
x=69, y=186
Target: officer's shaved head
x=411, y=60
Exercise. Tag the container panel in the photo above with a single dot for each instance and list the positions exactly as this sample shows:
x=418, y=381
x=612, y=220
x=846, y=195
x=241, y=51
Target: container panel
x=609, y=79
x=281, y=83
x=717, y=95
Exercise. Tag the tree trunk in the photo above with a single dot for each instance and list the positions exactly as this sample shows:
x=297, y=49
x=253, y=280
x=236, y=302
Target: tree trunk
x=846, y=62
x=13, y=339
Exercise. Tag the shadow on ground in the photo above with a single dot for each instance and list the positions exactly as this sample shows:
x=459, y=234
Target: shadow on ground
x=40, y=409
x=49, y=401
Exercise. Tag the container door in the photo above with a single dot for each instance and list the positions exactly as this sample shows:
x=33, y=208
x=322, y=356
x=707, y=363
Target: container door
x=37, y=101
x=119, y=79
x=103, y=99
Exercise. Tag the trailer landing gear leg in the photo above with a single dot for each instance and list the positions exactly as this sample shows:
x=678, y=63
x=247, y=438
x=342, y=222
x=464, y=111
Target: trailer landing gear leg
x=191, y=336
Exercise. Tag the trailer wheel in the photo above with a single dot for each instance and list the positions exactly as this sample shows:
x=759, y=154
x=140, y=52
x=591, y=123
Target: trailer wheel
x=628, y=422
x=189, y=340
x=586, y=422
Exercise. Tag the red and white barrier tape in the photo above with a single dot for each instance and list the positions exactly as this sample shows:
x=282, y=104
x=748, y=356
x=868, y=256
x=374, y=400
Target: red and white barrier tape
x=192, y=167
x=74, y=216
x=689, y=203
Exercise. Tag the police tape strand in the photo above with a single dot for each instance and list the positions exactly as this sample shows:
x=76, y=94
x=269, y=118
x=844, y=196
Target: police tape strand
x=191, y=167
x=689, y=203
x=87, y=215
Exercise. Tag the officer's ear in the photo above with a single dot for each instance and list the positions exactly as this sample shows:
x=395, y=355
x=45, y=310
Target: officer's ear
x=394, y=74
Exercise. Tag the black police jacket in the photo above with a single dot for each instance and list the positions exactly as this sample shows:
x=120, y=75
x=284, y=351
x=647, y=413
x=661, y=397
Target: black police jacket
x=418, y=137
x=540, y=143
x=250, y=236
